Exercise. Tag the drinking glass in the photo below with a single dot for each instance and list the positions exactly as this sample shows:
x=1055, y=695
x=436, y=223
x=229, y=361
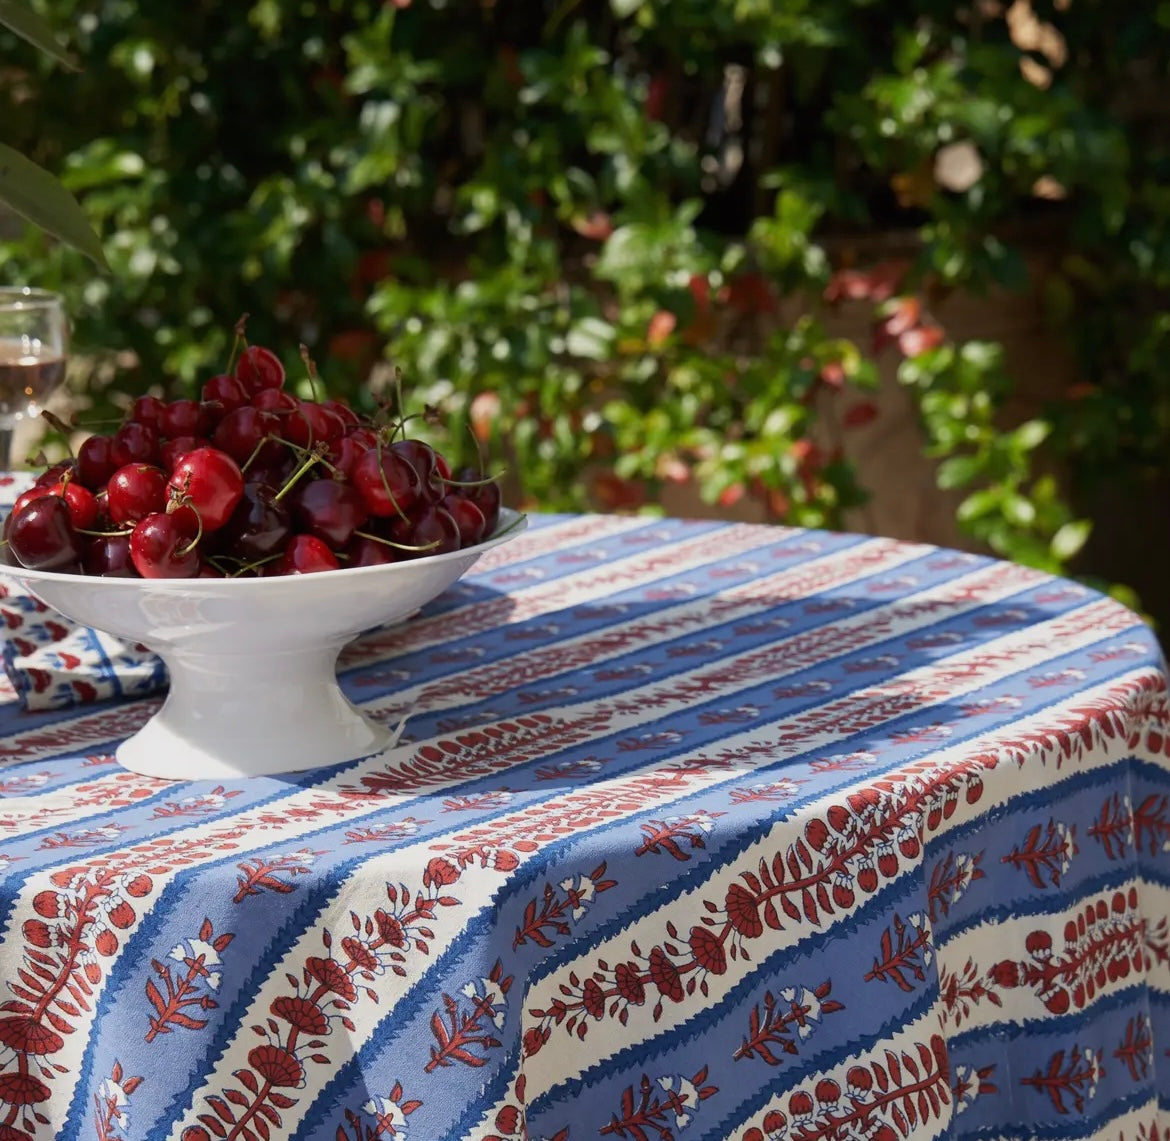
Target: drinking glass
x=34, y=342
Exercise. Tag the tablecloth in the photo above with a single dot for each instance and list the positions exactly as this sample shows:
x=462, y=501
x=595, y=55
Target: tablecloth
x=695, y=831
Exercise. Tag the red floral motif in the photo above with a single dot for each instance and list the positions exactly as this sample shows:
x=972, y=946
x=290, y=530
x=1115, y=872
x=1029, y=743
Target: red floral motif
x=560, y=909
x=111, y=1104
x=262, y=875
x=962, y=991
x=664, y=835
x=882, y=1100
x=1107, y=940
x=661, y=1106
x=906, y=950
x=786, y=1020
x=199, y=958
x=465, y=1029
x=380, y=1117
x=1074, y=1078
x=1136, y=1051
x=949, y=881
x=1047, y=851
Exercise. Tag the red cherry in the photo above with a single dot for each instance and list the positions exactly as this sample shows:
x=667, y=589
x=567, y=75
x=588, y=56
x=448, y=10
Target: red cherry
x=134, y=443
x=241, y=432
x=275, y=400
x=160, y=547
x=182, y=418
x=344, y=454
x=94, y=465
x=209, y=482
x=259, y=368
x=109, y=556
x=305, y=554
x=226, y=391
x=148, y=410
x=174, y=450
x=54, y=474
x=41, y=536
x=388, y=484
x=433, y=529
x=313, y=424
x=329, y=509
x=366, y=552
x=135, y=491
x=468, y=518
x=348, y=416
x=24, y=498
x=258, y=528
x=484, y=494
x=83, y=507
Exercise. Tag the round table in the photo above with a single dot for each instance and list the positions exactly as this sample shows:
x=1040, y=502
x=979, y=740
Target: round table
x=694, y=831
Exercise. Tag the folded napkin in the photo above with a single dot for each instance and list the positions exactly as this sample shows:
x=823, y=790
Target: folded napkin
x=54, y=663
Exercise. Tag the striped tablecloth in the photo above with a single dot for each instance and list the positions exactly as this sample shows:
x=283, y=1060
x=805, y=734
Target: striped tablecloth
x=696, y=831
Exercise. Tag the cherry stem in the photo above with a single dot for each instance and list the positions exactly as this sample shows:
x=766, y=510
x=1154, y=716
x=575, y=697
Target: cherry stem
x=245, y=567
x=475, y=482
x=510, y=527
x=311, y=369
x=241, y=335
x=60, y=426
x=75, y=421
x=386, y=483
x=314, y=458
x=104, y=534
x=397, y=546
x=198, y=529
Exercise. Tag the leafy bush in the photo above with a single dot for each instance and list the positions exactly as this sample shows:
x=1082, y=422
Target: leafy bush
x=604, y=234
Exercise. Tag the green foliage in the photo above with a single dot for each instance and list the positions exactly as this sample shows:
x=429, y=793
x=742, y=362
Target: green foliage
x=603, y=234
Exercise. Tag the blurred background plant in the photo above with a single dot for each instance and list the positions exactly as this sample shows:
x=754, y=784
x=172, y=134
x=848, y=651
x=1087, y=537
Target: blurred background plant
x=608, y=237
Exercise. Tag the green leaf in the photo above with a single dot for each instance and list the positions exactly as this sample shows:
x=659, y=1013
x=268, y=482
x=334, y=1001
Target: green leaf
x=591, y=338
x=957, y=471
x=29, y=26
x=1032, y=434
x=624, y=8
x=37, y=196
x=1070, y=539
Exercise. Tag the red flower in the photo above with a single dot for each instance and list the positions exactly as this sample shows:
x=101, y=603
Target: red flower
x=29, y=1036
x=359, y=954
x=195, y=1133
x=508, y=1120
x=37, y=933
x=106, y=942
x=1006, y=973
x=276, y=1065
x=122, y=915
x=665, y=975
x=629, y=984
x=138, y=885
x=301, y=1013
x=593, y=998
x=11, y=1133
x=389, y=929
x=331, y=975
x=534, y=1039
x=708, y=950
x=743, y=911
x=49, y=904
x=440, y=872
x=22, y=1089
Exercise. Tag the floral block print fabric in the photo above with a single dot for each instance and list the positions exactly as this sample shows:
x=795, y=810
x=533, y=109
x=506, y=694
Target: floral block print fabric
x=54, y=663
x=695, y=832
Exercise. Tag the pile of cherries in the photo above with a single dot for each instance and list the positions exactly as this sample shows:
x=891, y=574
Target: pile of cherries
x=249, y=481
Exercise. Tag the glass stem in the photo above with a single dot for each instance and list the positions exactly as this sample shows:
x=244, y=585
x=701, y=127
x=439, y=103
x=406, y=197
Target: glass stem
x=5, y=446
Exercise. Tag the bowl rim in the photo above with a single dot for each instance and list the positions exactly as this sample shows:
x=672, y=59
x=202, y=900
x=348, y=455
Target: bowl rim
x=511, y=523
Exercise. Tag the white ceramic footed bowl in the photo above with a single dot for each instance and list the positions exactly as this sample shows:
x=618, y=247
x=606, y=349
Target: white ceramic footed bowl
x=253, y=660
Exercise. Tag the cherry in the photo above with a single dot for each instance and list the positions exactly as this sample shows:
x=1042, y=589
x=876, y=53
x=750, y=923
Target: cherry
x=83, y=507
x=94, y=465
x=388, y=484
x=275, y=400
x=22, y=500
x=148, y=410
x=485, y=494
x=174, y=450
x=54, y=474
x=432, y=529
x=241, y=432
x=258, y=528
x=363, y=551
x=305, y=554
x=225, y=391
x=182, y=418
x=109, y=556
x=41, y=535
x=348, y=416
x=313, y=424
x=161, y=547
x=208, y=482
x=134, y=443
x=468, y=518
x=424, y=459
x=364, y=437
x=259, y=368
x=330, y=509
x=344, y=453
x=135, y=491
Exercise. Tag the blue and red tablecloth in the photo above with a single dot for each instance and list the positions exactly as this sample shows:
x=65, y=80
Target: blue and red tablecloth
x=696, y=831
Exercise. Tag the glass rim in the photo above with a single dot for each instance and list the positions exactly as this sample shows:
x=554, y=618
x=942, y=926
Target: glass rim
x=14, y=298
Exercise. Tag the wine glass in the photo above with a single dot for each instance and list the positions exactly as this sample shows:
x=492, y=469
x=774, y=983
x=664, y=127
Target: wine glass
x=34, y=342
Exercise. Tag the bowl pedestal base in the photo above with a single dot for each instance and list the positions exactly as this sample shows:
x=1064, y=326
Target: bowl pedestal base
x=232, y=715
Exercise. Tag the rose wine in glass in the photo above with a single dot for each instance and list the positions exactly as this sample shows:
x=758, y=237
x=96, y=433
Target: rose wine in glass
x=34, y=343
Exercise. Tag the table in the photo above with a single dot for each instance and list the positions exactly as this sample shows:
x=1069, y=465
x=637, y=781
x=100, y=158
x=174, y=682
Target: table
x=695, y=831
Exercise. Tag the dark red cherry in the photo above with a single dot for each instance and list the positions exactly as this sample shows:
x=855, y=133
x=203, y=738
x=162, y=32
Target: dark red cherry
x=259, y=368
x=275, y=400
x=183, y=418
x=241, y=432
x=348, y=416
x=161, y=547
x=94, y=465
x=54, y=474
x=226, y=391
x=258, y=528
x=135, y=491
x=366, y=552
x=388, y=484
x=41, y=535
x=83, y=507
x=208, y=482
x=134, y=443
x=147, y=410
x=485, y=494
x=432, y=529
x=468, y=518
x=330, y=509
x=344, y=454
x=174, y=450
x=312, y=424
x=305, y=554
x=109, y=556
